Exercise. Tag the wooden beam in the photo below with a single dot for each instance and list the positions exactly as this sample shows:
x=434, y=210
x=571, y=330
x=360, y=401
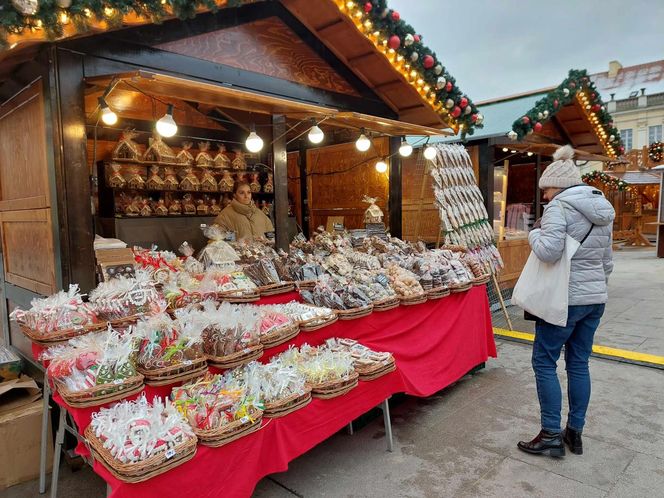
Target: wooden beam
x=395, y=189
x=280, y=181
x=331, y=28
x=359, y=59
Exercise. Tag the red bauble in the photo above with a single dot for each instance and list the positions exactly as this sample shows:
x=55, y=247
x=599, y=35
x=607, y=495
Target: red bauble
x=368, y=7
x=621, y=149
x=394, y=42
x=593, y=96
x=463, y=102
x=473, y=118
x=456, y=112
x=555, y=104
x=572, y=84
x=525, y=120
x=395, y=16
x=417, y=38
x=596, y=108
x=449, y=86
x=428, y=62
x=537, y=127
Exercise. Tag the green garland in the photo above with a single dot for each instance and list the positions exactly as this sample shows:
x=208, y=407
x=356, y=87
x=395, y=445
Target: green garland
x=388, y=24
x=80, y=13
x=565, y=93
x=656, y=152
x=608, y=180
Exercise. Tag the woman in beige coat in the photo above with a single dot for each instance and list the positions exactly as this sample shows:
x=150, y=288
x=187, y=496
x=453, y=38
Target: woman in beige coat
x=243, y=217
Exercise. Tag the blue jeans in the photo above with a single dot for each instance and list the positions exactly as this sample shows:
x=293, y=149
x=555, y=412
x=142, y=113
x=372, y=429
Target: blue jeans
x=577, y=337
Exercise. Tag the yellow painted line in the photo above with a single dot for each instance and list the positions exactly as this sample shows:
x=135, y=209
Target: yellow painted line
x=603, y=350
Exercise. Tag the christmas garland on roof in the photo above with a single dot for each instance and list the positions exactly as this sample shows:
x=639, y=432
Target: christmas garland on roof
x=51, y=16
x=579, y=86
x=609, y=181
x=417, y=62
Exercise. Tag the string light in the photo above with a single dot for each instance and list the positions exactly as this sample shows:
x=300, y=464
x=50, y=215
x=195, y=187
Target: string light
x=505, y=149
x=430, y=152
x=107, y=114
x=362, y=143
x=406, y=149
x=254, y=143
x=381, y=166
x=315, y=135
x=166, y=126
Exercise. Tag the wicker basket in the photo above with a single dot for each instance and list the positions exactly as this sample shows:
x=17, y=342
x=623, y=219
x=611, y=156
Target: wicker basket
x=146, y=469
x=334, y=388
x=101, y=394
x=230, y=432
x=247, y=296
x=236, y=359
x=318, y=323
x=179, y=372
x=120, y=323
x=438, y=292
x=274, y=289
x=376, y=370
x=59, y=336
x=454, y=289
x=280, y=335
x=481, y=280
x=412, y=300
x=306, y=284
x=354, y=313
x=388, y=303
x=287, y=405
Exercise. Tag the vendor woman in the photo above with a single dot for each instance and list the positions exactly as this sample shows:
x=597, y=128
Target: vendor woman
x=243, y=217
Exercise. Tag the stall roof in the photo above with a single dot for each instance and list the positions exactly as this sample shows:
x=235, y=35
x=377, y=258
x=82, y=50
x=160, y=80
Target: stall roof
x=547, y=149
x=636, y=177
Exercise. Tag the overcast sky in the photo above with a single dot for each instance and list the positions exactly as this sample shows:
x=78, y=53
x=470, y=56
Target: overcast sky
x=496, y=48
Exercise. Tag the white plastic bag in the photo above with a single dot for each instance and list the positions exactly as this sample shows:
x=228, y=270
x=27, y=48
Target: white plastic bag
x=543, y=288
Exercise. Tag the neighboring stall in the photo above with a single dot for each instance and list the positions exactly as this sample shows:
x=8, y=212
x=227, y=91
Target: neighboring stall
x=511, y=152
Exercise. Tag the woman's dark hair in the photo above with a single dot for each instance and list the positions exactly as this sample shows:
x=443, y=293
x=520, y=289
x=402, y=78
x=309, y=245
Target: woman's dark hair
x=237, y=186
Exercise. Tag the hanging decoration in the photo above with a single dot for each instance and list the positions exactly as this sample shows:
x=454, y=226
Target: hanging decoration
x=656, y=152
x=610, y=182
x=576, y=87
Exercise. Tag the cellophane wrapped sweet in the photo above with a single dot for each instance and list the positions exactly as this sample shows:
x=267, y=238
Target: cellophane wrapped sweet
x=301, y=312
x=61, y=311
x=208, y=403
x=362, y=355
x=94, y=359
x=217, y=253
x=162, y=343
x=268, y=383
x=123, y=297
x=159, y=264
x=133, y=431
x=317, y=364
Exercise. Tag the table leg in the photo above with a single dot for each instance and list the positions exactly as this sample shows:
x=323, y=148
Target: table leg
x=59, y=439
x=350, y=428
x=44, y=437
x=109, y=490
x=388, y=424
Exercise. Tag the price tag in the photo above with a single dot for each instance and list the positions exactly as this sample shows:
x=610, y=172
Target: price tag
x=244, y=419
x=170, y=453
x=117, y=381
x=186, y=362
x=247, y=350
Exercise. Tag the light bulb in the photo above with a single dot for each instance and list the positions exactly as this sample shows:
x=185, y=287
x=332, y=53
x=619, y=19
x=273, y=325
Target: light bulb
x=315, y=135
x=254, y=143
x=363, y=143
x=430, y=152
x=505, y=149
x=530, y=153
x=406, y=149
x=381, y=166
x=166, y=126
x=107, y=114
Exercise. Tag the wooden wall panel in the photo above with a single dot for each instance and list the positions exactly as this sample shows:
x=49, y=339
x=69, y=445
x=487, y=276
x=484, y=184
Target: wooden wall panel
x=23, y=173
x=27, y=249
x=266, y=46
x=515, y=254
x=339, y=176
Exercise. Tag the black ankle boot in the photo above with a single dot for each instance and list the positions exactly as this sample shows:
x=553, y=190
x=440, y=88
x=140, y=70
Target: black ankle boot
x=573, y=440
x=545, y=443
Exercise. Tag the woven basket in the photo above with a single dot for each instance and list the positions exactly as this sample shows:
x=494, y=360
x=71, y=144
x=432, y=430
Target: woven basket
x=377, y=370
x=334, y=388
x=481, y=280
x=120, y=323
x=236, y=359
x=59, y=336
x=287, y=405
x=318, y=323
x=438, y=292
x=230, y=432
x=388, y=303
x=101, y=394
x=454, y=289
x=179, y=372
x=306, y=284
x=280, y=335
x=239, y=296
x=146, y=469
x=274, y=289
x=354, y=313
x=412, y=300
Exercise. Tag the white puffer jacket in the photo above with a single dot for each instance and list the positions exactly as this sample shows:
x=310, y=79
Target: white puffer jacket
x=573, y=211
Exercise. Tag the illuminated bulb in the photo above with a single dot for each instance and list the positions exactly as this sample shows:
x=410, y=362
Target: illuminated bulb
x=362, y=143
x=430, y=152
x=254, y=143
x=107, y=114
x=505, y=149
x=513, y=151
x=530, y=153
x=13, y=46
x=381, y=166
x=166, y=126
x=367, y=24
x=413, y=73
x=406, y=149
x=108, y=11
x=87, y=12
x=315, y=135
x=64, y=18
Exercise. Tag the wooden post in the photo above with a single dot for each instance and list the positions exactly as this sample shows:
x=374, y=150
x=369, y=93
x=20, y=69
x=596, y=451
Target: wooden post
x=502, y=302
x=280, y=181
x=395, y=188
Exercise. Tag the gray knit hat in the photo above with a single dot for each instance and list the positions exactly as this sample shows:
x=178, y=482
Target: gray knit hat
x=562, y=172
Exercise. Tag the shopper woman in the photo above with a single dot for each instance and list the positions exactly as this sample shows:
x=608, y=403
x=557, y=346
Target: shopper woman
x=243, y=217
x=582, y=212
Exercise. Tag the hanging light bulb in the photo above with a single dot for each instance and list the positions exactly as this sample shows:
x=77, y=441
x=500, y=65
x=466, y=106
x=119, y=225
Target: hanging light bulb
x=430, y=152
x=381, y=166
x=362, y=143
x=505, y=149
x=315, y=135
x=107, y=114
x=254, y=143
x=406, y=149
x=530, y=154
x=166, y=126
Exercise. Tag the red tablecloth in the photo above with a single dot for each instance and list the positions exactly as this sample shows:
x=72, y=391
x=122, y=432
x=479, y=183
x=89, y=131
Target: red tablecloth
x=434, y=344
